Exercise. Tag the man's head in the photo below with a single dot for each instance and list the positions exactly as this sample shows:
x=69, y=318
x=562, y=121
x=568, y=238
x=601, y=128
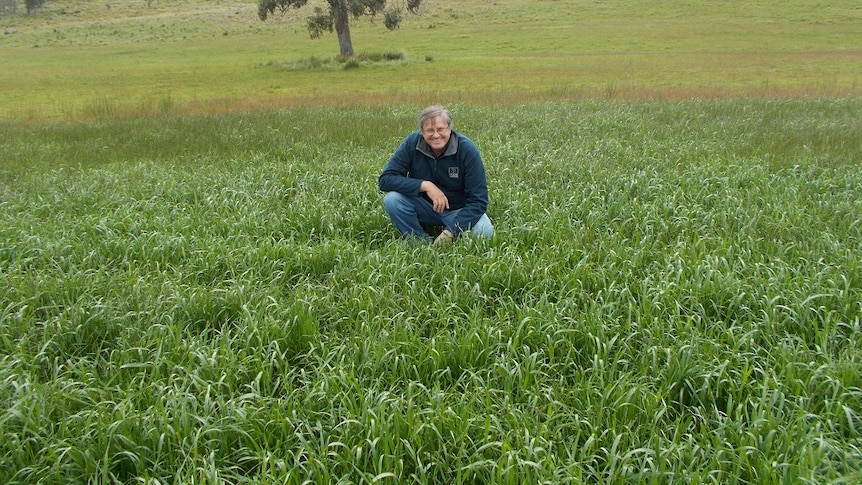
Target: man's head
x=435, y=124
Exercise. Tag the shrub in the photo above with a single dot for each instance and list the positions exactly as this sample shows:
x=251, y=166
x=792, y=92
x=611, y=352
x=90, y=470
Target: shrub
x=33, y=4
x=8, y=7
x=394, y=56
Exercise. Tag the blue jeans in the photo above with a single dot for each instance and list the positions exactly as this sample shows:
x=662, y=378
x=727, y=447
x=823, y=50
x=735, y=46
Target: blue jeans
x=410, y=213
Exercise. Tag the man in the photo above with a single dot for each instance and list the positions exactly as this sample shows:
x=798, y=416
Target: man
x=436, y=178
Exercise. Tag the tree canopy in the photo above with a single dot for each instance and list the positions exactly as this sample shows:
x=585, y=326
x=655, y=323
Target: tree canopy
x=337, y=16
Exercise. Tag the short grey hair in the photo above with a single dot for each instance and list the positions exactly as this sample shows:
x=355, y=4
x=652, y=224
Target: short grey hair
x=433, y=112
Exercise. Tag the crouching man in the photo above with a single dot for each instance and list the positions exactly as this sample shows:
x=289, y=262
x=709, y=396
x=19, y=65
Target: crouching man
x=436, y=178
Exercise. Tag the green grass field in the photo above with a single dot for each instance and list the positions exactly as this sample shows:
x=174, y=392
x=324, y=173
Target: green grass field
x=199, y=285
x=673, y=296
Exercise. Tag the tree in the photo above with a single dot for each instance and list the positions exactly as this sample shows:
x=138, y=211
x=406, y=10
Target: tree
x=33, y=5
x=338, y=16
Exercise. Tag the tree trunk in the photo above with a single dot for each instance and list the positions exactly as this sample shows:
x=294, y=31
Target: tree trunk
x=342, y=28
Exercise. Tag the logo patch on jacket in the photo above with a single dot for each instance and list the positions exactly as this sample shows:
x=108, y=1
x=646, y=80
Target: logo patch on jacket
x=453, y=172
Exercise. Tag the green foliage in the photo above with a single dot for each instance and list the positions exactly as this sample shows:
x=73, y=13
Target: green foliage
x=319, y=23
x=32, y=5
x=337, y=16
x=673, y=295
x=268, y=7
x=392, y=19
x=358, y=8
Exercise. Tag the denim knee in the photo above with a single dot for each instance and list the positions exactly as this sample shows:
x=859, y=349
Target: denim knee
x=393, y=201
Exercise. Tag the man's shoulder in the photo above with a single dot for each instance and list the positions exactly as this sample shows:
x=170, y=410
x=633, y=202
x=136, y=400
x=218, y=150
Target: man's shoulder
x=409, y=143
x=465, y=144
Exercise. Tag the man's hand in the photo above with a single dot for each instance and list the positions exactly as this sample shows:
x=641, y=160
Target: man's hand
x=445, y=237
x=438, y=198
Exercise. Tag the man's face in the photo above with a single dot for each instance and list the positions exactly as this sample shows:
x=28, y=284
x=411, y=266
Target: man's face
x=436, y=133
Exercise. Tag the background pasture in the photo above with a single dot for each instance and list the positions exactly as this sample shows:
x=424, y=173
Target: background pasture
x=85, y=59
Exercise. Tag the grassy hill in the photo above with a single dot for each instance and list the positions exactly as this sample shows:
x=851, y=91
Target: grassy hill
x=85, y=59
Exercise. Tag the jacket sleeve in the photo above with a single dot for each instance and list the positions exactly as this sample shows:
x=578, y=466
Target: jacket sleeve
x=475, y=188
x=394, y=177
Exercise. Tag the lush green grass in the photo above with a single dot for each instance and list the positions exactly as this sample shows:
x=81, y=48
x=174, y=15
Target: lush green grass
x=674, y=295
x=80, y=59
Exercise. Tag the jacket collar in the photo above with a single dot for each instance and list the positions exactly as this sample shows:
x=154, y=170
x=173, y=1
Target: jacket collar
x=451, y=147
